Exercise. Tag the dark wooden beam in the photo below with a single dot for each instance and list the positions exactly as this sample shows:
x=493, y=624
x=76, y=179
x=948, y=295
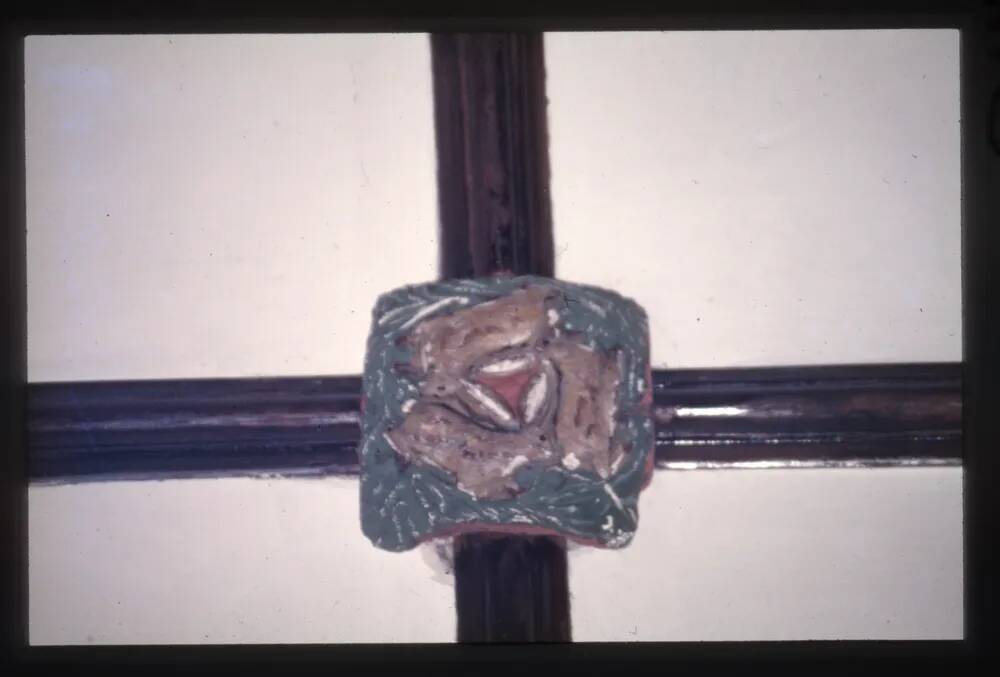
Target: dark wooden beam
x=825, y=416
x=134, y=430
x=511, y=589
x=492, y=152
x=493, y=196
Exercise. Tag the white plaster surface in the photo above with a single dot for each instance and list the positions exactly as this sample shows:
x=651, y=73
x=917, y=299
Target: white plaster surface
x=733, y=555
x=222, y=561
x=231, y=205
x=776, y=197
x=220, y=205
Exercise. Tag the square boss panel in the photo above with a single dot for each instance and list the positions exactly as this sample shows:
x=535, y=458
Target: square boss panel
x=517, y=404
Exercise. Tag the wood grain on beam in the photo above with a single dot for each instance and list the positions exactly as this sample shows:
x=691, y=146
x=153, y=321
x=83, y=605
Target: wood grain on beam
x=782, y=417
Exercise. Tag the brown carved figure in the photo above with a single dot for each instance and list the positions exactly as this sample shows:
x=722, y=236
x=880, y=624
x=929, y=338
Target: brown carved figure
x=501, y=385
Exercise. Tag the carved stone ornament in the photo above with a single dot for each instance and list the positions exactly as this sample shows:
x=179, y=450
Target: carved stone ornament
x=517, y=404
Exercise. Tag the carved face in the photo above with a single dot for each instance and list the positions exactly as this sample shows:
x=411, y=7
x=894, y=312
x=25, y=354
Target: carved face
x=501, y=385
